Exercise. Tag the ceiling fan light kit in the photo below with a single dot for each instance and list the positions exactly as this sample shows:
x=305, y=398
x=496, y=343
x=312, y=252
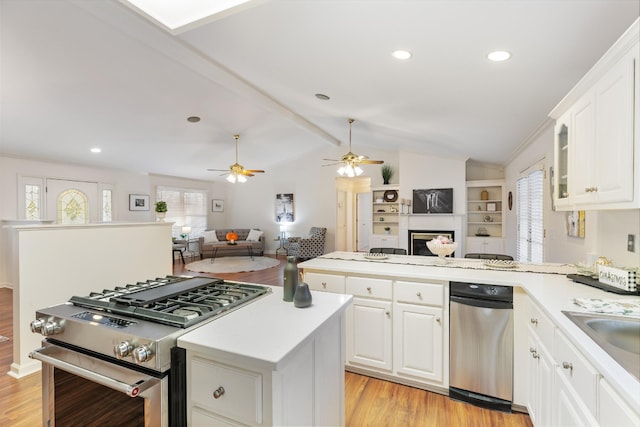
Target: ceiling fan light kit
x=237, y=172
x=350, y=162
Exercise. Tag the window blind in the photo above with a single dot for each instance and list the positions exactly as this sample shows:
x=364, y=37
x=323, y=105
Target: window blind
x=530, y=217
x=185, y=207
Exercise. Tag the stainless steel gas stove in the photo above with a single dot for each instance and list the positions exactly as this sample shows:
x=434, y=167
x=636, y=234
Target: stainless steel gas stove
x=125, y=339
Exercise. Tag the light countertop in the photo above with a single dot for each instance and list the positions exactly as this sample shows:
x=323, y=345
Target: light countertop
x=266, y=331
x=552, y=292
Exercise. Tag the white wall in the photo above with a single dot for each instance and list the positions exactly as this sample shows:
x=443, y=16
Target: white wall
x=605, y=231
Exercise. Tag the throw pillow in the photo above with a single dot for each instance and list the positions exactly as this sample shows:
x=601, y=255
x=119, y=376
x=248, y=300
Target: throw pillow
x=210, y=236
x=254, y=235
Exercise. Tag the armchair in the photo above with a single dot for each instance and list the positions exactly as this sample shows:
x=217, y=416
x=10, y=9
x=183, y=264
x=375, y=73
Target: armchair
x=308, y=247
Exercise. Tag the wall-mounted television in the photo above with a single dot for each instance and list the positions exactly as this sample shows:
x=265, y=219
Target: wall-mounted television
x=433, y=201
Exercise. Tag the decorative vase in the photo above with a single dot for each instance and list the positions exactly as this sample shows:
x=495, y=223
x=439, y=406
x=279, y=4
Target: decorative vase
x=290, y=279
x=484, y=195
x=160, y=216
x=302, y=297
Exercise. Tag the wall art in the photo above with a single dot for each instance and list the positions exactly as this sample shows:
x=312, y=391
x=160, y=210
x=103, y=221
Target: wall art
x=217, y=205
x=284, y=207
x=138, y=202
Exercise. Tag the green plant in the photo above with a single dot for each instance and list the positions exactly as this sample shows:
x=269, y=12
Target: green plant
x=161, y=206
x=387, y=229
x=387, y=173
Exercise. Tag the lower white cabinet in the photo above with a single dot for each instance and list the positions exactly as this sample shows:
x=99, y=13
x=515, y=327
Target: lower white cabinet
x=369, y=323
x=325, y=282
x=383, y=241
x=613, y=411
x=418, y=334
x=540, y=371
x=568, y=409
x=307, y=389
x=485, y=245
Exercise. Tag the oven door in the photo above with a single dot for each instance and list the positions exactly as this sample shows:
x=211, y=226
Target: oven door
x=81, y=389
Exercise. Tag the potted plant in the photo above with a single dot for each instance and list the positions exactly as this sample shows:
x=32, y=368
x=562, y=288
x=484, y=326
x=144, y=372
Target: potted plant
x=161, y=210
x=387, y=230
x=387, y=173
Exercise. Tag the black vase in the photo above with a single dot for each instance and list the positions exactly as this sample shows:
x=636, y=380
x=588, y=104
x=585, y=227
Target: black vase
x=302, y=297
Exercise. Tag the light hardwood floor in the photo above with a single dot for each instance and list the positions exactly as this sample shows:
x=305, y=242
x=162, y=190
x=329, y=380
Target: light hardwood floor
x=369, y=401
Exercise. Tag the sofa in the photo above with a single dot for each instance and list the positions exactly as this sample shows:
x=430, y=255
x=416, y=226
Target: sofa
x=206, y=246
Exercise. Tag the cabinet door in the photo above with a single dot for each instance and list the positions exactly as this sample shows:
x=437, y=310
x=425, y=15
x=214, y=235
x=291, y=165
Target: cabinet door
x=614, y=411
x=369, y=333
x=418, y=341
x=325, y=282
x=568, y=409
x=582, y=158
x=533, y=380
x=562, y=149
x=614, y=133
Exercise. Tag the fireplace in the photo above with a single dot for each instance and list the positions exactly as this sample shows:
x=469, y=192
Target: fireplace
x=418, y=241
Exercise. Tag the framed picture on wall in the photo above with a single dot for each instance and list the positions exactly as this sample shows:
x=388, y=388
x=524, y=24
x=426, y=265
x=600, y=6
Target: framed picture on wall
x=433, y=201
x=284, y=207
x=138, y=202
x=217, y=205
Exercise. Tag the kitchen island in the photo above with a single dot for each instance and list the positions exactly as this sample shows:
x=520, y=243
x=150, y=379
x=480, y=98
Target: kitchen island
x=595, y=390
x=269, y=363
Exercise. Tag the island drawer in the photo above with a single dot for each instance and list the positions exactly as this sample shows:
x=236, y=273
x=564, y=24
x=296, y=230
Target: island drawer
x=325, y=282
x=419, y=293
x=369, y=288
x=577, y=371
x=541, y=325
x=225, y=390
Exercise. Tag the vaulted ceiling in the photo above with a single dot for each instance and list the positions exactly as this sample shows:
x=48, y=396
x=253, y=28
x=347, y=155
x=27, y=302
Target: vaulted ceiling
x=83, y=74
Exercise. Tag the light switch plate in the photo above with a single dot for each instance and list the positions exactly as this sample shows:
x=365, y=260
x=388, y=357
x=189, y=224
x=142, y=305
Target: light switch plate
x=631, y=242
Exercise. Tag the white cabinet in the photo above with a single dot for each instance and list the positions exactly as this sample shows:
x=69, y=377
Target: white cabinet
x=418, y=330
x=383, y=241
x=568, y=409
x=597, y=159
x=613, y=411
x=369, y=323
x=540, y=366
x=485, y=245
x=325, y=282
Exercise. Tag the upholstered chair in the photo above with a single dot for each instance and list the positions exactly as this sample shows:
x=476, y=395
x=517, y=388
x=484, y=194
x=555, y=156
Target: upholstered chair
x=308, y=247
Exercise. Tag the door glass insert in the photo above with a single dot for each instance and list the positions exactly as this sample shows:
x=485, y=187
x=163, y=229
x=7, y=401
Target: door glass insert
x=73, y=207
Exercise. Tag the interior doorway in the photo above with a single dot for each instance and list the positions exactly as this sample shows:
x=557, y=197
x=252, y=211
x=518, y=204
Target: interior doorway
x=349, y=232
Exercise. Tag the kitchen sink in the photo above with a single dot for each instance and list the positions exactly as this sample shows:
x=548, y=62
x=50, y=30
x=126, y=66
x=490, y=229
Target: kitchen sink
x=619, y=336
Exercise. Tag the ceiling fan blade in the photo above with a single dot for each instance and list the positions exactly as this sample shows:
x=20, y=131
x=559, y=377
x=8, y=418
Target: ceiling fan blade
x=331, y=160
x=218, y=170
x=333, y=164
x=255, y=170
x=372, y=162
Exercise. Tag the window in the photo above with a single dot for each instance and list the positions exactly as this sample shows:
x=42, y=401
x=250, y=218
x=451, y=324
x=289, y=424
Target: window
x=530, y=198
x=185, y=208
x=73, y=207
x=107, y=205
x=32, y=201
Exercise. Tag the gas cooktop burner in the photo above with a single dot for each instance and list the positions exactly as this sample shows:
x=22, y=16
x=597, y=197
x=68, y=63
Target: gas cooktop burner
x=175, y=301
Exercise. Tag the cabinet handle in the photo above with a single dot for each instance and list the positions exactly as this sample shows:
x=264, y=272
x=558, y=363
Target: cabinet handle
x=591, y=189
x=567, y=365
x=438, y=319
x=369, y=289
x=388, y=313
x=532, y=350
x=419, y=295
x=324, y=284
x=218, y=393
x=534, y=321
x=535, y=355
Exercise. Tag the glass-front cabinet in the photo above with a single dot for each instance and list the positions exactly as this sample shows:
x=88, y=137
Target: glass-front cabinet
x=561, y=166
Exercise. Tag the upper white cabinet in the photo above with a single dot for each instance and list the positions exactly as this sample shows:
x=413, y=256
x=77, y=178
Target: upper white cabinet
x=597, y=158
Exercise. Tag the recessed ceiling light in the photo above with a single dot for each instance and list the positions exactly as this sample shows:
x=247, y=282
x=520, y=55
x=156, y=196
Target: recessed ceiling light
x=193, y=119
x=401, y=54
x=499, y=55
x=96, y=150
x=322, y=96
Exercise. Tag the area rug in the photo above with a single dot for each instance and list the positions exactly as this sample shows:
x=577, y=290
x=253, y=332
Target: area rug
x=232, y=264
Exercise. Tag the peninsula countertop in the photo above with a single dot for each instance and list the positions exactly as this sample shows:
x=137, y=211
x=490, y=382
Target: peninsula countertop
x=264, y=332
x=553, y=293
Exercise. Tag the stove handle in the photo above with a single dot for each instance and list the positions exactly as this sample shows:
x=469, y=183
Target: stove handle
x=131, y=390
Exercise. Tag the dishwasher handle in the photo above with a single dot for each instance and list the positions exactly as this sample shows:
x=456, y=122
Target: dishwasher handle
x=475, y=302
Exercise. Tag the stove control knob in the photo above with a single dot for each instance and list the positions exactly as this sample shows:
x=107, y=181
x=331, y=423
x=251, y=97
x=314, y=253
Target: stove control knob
x=51, y=328
x=142, y=354
x=123, y=349
x=36, y=326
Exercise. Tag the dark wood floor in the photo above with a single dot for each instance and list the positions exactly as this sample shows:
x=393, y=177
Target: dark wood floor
x=369, y=401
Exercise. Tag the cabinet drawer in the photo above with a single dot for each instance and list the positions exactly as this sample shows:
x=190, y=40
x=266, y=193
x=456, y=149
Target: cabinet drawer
x=541, y=325
x=325, y=282
x=419, y=293
x=367, y=287
x=242, y=397
x=578, y=372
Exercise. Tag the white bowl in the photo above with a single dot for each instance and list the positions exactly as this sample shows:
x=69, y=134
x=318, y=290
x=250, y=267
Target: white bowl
x=441, y=249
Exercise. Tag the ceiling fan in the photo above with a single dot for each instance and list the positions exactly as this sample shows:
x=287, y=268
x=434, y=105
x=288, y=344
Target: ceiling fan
x=237, y=172
x=350, y=162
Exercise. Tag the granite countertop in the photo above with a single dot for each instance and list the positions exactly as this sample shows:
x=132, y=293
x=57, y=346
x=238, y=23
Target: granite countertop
x=548, y=287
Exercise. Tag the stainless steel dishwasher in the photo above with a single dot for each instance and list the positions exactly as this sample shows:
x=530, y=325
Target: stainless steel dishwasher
x=481, y=345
